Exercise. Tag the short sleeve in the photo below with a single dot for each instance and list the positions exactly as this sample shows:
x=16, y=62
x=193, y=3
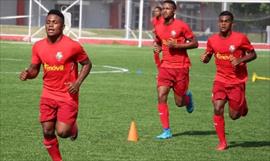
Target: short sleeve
x=81, y=55
x=246, y=45
x=188, y=34
x=35, y=57
x=209, y=47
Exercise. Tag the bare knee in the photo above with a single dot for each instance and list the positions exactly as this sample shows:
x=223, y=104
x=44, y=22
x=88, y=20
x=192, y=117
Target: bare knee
x=63, y=133
x=179, y=100
x=48, y=133
x=235, y=115
x=218, y=107
x=48, y=129
x=162, y=97
x=179, y=103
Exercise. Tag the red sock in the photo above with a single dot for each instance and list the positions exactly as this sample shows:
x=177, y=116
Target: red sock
x=164, y=115
x=157, y=60
x=51, y=144
x=187, y=100
x=220, y=127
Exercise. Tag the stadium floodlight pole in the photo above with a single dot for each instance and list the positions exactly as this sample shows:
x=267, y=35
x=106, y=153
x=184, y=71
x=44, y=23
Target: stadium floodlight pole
x=30, y=20
x=80, y=20
x=127, y=24
x=140, y=23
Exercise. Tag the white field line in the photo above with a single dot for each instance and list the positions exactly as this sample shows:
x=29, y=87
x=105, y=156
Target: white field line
x=115, y=70
x=10, y=59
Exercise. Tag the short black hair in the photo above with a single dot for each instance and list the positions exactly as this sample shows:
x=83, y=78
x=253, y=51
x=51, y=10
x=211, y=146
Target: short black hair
x=170, y=2
x=158, y=7
x=58, y=13
x=226, y=13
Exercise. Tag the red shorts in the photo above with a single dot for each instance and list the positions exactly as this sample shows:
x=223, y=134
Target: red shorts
x=178, y=79
x=51, y=109
x=233, y=93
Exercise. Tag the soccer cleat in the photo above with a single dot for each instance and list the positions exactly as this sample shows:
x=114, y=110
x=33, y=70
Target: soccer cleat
x=190, y=106
x=222, y=146
x=165, y=135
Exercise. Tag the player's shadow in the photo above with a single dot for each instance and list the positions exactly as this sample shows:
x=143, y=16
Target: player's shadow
x=249, y=144
x=194, y=133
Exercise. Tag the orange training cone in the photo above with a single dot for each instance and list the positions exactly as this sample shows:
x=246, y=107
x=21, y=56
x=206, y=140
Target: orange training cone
x=133, y=135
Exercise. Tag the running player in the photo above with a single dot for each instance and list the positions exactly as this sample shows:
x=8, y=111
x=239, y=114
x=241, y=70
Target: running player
x=173, y=38
x=232, y=50
x=59, y=56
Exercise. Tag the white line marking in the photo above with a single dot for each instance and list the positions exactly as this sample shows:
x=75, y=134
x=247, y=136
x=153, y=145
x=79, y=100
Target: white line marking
x=115, y=70
x=10, y=59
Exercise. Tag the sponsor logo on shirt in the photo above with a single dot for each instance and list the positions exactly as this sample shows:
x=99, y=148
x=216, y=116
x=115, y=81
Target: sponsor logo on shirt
x=165, y=42
x=221, y=56
x=173, y=33
x=48, y=67
x=59, y=56
x=232, y=48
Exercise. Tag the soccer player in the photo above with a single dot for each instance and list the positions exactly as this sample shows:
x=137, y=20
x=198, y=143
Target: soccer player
x=156, y=20
x=59, y=55
x=157, y=17
x=232, y=50
x=173, y=38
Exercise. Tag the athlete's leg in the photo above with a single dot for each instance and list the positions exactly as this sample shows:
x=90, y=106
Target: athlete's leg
x=219, y=123
x=234, y=114
x=185, y=100
x=48, y=110
x=237, y=109
x=163, y=109
x=63, y=129
x=180, y=101
x=182, y=96
x=237, y=102
x=50, y=140
x=244, y=109
x=66, y=125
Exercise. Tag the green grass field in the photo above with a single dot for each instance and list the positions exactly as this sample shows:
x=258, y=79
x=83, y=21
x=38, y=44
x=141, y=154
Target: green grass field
x=110, y=101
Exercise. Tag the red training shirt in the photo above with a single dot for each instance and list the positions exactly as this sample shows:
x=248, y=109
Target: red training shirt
x=60, y=66
x=235, y=45
x=177, y=31
x=156, y=21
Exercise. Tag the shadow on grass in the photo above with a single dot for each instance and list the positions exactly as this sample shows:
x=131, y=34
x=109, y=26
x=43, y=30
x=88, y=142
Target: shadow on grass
x=192, y=133
x=249, y=144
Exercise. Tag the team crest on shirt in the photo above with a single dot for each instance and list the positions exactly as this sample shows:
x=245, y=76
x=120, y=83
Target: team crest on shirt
x=173, y=33
x=231, y=48
x=59, y=56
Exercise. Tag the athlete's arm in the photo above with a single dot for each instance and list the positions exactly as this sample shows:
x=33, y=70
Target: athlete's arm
x=85, y=70
x=206, y=57
x=188, y=44
x=156, y=47
x=30, y=73
x=251, y=55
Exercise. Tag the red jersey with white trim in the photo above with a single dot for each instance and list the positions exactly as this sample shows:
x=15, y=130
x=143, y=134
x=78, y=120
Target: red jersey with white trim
x=60, y=66
x=237, y=44
x=177, y=31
